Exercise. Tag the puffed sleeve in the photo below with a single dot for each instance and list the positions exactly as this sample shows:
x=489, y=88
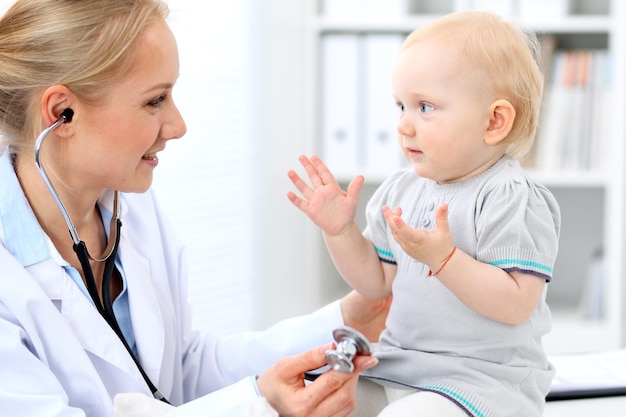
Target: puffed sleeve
x=530, y=219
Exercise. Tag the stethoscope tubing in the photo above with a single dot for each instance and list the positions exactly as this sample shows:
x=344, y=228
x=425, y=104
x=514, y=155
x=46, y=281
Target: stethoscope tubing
x=66, y=216
x=55, y=195
x=104, y=307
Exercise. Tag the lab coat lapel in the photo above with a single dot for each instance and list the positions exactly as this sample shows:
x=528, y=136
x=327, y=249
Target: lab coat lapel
x=90, y=329
x=145, y=309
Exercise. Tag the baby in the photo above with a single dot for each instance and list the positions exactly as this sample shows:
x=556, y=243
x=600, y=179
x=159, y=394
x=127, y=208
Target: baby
x=464, y=239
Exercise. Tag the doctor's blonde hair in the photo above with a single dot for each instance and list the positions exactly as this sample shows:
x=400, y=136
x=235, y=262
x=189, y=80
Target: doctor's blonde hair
x=509, y=57
x=84, y=45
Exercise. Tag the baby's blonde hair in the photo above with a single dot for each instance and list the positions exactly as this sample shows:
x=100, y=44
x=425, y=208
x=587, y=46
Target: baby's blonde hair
x=508, y=56
x=84, y=45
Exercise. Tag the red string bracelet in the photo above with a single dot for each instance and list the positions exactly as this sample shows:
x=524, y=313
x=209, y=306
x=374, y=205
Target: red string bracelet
x=445, y=261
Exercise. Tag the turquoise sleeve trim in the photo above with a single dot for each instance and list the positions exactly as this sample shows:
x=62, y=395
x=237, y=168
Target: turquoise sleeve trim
x=384, y=253
x=519, y=262
x=457, y=397
x=385, y=256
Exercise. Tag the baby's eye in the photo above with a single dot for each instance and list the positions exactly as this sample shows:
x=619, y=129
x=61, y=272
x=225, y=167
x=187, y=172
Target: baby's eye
x=425, y=108
x=401, y=107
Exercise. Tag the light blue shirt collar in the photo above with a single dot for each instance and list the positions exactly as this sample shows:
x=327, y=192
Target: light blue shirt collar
x=19, y=229
x=24, y=238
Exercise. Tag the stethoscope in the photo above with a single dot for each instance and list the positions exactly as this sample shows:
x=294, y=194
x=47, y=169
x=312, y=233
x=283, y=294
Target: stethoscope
x=349, y=344
x=105, y=308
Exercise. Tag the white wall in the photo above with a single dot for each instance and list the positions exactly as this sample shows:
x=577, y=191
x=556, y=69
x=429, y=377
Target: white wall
x=290, y=253
x=264, y=117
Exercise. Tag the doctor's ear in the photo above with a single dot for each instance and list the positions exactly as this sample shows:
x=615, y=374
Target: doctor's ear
x=501, y=118
x=56, y=103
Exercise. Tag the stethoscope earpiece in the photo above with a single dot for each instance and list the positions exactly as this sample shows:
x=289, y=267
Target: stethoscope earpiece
x=349, y=344
x=67, y=115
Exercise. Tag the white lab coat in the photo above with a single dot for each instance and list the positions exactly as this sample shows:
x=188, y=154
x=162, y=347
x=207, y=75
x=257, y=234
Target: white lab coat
x=59, y=358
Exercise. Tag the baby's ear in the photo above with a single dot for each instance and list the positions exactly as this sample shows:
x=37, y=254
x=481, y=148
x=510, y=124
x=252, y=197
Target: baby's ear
x=502, y=116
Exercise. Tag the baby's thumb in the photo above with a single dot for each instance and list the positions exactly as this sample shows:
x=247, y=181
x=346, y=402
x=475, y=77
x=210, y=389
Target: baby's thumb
x=442, y=217
x=354, y=188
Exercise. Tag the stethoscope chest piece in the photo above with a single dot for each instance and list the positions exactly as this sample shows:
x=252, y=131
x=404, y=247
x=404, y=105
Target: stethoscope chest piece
x=349, y=344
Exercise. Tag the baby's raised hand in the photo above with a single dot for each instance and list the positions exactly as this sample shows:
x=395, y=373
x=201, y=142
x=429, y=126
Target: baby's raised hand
x=427, y=246
x=327, y=205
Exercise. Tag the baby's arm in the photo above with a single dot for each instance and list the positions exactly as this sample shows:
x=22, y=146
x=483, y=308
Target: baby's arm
x=509, y=298
x=333, y=210
x=357, y=261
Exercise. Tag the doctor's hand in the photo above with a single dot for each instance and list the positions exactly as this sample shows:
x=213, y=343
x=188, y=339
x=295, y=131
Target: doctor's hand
x=324, y=202
x=365, y=315
x=331, y=394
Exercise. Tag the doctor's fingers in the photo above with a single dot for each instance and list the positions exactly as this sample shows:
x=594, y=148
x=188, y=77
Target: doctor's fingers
x=337, y=391
x=282, y=384
x=332, y=394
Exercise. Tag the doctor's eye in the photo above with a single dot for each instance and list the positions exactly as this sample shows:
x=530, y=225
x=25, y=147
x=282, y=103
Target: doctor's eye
x=157, y=101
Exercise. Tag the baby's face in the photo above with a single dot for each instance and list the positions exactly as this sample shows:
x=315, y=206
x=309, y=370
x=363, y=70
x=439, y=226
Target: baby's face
x=444, y=112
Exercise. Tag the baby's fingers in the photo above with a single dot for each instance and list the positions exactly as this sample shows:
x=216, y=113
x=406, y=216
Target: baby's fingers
x=300, y=184
x=325, y=176
x=354, y=188
x=312, y=170
x=297, y=201
x=394, y=221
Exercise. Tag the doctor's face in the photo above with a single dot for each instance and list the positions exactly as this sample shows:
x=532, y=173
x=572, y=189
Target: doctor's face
x=119, y=137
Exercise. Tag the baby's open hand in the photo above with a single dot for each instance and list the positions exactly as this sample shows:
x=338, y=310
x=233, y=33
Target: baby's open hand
x=327, y=205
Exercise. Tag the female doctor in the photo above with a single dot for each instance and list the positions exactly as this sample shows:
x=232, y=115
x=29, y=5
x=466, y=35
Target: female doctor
x=92, y=278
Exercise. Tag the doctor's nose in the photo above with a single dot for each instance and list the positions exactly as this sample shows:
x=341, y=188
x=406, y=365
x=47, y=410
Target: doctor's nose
x=175, y=127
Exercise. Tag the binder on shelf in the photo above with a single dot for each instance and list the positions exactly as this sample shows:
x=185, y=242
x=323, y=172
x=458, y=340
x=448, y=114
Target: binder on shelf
x=575, y=88
x=548, y=140
x=601, y=97
x=382, y=152
x=572, y=134
x=340, y=92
